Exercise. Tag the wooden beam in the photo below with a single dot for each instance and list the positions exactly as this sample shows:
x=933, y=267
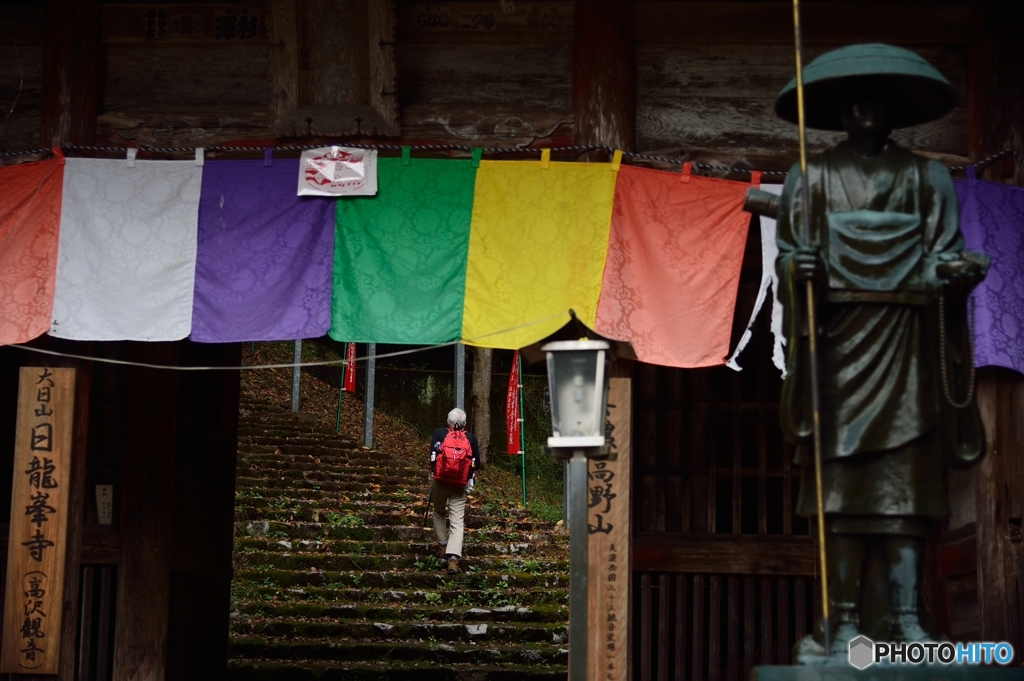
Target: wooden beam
x=735, y=554
x=144, y=564
x=907, y=23
x=603, y=74
x=72, y=73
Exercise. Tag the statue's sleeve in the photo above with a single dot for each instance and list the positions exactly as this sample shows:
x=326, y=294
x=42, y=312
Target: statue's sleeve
x=795, y=413
x=941, y=215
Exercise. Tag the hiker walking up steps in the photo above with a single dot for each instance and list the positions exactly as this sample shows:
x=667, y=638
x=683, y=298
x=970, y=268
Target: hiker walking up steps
x=454, y=457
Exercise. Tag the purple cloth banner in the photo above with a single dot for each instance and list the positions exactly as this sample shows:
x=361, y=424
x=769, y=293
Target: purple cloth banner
x=992, y=220
x=265, y=258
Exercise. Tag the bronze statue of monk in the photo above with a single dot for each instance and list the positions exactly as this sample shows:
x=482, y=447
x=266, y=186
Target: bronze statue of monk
x=891, y=279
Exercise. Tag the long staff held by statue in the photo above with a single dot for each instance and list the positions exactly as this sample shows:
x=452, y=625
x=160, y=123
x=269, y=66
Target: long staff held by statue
x=812, y=328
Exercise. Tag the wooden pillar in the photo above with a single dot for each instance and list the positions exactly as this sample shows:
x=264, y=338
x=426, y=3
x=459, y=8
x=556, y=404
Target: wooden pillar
x=995, y=84
x=999, y=481
x=995, y=109
x=604, y=74
x=78, y=499
x=72, y=73
x=144, y=562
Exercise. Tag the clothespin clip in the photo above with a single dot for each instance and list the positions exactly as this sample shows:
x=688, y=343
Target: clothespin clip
x=687, y=170
x=132, y=153
x=617, y=160
x=755, y=177
x=268, y=157
x=200, y=156
x=545, y=159
x=477, y=153
x=406, y=155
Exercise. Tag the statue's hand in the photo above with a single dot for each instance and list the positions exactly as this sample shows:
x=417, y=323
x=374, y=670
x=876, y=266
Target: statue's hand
x=808, y=264
x=961, y=275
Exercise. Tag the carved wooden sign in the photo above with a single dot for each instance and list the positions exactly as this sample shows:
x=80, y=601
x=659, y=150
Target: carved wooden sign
x=609, y=547
x=224, y=24
x=39, y=515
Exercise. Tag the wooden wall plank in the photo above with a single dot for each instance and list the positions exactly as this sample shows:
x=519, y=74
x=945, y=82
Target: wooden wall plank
x=663, y=628
x=646, y=621
x=531, y=21
x=681, y=613
x=699, y=629
x=720, y=98
x=923, y=23
x=726, y=554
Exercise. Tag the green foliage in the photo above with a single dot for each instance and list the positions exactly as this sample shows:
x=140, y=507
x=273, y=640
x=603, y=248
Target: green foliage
x=347, y=520
x=433, y=597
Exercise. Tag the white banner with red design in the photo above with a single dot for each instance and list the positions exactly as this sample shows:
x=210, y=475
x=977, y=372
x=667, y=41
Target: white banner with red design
x=338, y=171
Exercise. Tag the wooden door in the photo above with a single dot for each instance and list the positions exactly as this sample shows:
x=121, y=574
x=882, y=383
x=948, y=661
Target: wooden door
x=723, y=570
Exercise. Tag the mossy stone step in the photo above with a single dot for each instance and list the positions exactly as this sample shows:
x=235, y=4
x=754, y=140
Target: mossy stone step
x=301, y=467
x=556, y=614
x=299, y=439
x=356, y=651
x=277, y=457
x=404, y=581
x=406, y=631
x=364, y=562
x=410, y=532
x=252, y=544
x=315, y=670
x=471, y=598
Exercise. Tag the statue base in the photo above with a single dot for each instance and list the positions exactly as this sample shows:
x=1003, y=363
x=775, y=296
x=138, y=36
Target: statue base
x=890, y=673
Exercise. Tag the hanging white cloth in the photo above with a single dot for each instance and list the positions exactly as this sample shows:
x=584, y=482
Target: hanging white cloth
x=769, y=280
x=127, y=253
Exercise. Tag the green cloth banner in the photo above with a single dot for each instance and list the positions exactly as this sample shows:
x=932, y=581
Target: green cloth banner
x=400, y=256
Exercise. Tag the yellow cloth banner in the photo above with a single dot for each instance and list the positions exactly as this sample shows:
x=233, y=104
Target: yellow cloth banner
x=537, y=248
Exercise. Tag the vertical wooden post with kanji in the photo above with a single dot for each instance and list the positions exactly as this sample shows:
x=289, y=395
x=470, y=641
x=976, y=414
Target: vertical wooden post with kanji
x=608, y=510
x=39, y=516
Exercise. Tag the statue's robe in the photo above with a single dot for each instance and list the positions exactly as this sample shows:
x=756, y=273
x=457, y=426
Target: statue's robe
x=882, y=225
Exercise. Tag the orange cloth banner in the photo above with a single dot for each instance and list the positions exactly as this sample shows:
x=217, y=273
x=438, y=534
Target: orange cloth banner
x=673, y=267
x=29, y=225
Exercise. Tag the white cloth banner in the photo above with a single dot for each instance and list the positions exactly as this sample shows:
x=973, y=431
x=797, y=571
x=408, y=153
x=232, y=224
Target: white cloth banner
x=127, y=256
x=769, y=279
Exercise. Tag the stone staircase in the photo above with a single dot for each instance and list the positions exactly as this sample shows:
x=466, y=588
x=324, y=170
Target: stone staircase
x=335, y=576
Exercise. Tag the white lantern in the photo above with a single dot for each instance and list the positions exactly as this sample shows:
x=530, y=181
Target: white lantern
x=577, y=380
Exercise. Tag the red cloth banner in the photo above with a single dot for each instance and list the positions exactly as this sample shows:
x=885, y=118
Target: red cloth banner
x=30, y=205
x=350, y=368
x=512, y=424
x=673, y=269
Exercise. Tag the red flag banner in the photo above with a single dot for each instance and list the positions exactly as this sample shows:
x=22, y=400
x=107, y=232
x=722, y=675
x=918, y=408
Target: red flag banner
x=350, y=368
x=512, y=423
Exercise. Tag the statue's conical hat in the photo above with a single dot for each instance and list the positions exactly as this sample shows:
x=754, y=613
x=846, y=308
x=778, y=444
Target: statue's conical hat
x=915, y=90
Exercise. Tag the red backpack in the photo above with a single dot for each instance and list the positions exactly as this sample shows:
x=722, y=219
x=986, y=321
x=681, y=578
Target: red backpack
x=455, y=460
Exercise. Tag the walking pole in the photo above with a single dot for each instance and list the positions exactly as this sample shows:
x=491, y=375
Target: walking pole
x=522, y=424
x=812, y=332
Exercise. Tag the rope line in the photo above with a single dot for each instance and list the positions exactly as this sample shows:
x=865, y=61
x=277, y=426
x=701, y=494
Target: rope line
x=578, y=149
x=290, y=365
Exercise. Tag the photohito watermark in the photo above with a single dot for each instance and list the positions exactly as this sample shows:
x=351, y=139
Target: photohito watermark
x=865, y=652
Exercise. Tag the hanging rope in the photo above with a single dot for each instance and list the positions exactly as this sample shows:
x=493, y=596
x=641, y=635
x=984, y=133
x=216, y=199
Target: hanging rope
x=575, y=149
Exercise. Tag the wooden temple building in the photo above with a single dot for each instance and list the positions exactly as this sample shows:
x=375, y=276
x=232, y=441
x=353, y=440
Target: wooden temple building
x=720, y=567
